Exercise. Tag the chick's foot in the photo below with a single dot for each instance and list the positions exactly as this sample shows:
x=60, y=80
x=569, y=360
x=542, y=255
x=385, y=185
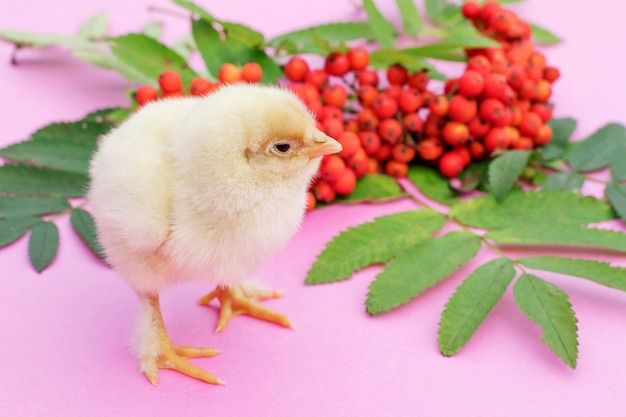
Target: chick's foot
x=156, y=351
x=242, y=299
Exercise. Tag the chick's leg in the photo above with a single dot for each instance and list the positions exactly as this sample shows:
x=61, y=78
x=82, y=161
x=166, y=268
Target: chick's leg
x=156, y=351
x=242, y=299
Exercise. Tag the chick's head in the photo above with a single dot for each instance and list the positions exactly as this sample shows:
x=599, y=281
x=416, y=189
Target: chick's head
x=254, y=134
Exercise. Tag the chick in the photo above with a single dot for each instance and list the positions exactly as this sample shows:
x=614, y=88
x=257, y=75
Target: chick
x=203, y=189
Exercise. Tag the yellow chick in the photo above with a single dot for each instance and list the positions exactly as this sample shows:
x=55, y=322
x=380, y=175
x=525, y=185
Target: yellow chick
x=203, y=189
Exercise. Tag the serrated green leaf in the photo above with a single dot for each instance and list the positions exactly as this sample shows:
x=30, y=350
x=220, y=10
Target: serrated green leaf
x=411, y=19
x=419, y=268
x=13, y=229
x=61, y=146
x=153, y=28
x=94, y=27
x=149, y=56
x=29, y=180
x=562, y=130
x=443, y=12
x=112, y=116
x=236, y=31
x=330, y=32
x=549, y=307
x=618, y=166
x=616, y=193
x=598, y=150
x=559, y=234
x=372, y=242
x=599, y=272
x=383, y=30
x=43, y=245
x=41, y=40
x=545, y=207
x=432, y=184
x=216, y=52
x=543, y=35
x=471, y=303
x=563, y=181
x=374, y=188
x=30, y=206
x=383, y=58
x=83, y=223
x=504, y=171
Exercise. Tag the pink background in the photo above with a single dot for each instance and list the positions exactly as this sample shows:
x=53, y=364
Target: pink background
x=65, y=332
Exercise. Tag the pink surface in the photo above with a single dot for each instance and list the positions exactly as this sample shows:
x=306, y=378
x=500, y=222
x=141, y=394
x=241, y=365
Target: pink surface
x=65, y=332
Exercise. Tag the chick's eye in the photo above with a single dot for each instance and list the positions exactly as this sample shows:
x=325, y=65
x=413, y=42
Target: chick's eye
x=282, y=147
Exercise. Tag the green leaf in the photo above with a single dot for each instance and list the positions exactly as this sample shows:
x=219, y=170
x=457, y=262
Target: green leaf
x=599, y=272
x=432, y=184
x=236, y=31
x=471, y=303
x=185, y=46
x=84, y=225
x=374, y=188
x=383, y=58
x=153, y=29
x=559, y=234
x=504, y=171
x=452, y=49
x=475, y=176
x=330, y=32
x=30, y=206
x=29, y=180
x=542, y=35
x=562, y=130
x=549, y=307
x=371, y=243
x=43, y=245
x=112, y=116
x=62, y=146
x=564, y=181
x=13, y=229
x=616, y=193
x=618, y=166
x=383, y=30
x=443, y=12
x=411, y=19
x=94, y=27
x=598, y=150
x=216, y=52
x=40, y=40
x=149, y=56
x=545, y=207
x=412, y=272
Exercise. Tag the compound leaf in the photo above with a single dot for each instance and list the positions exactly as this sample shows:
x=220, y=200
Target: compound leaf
x=373, y=242
x=25, y=180
x=30, y=206
x=549, y=307
x=471, y=303
x=419, y=268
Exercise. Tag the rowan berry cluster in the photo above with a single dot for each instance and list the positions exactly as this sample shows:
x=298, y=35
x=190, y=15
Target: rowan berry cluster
x=171, y=84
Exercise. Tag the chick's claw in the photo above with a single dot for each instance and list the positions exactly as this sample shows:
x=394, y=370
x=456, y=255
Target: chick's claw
x=175, y=358
x=243, y=300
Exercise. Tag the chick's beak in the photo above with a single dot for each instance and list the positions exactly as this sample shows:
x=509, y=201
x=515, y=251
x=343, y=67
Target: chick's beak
x=323, y=145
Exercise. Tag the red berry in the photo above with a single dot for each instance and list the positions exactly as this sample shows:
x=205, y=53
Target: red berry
x=543, y=110
x=451, y=86
x=430, y=149
x=200, y=87
x=296, y=69
x=530, y=124
x=439, y=106
x=385, y=106
x=368, y=77
x=551, y=74
x=461, y=109
x=464, y=152
x=477, y=149
x=419, y=80
x=335, y=95
x=402, y=152
x=350, y=143
x=332, y=127
x=345, y=185
x=324, y=192
x=396, y=168
x=494, y=85
x=479, y=63
x=367, y=119
x=337, y=64
x=412, y=122
x=145, y=94
x=310, y=202
x=251, y=72
x=471, y=84
x=491, y=110
x=317, y=78
x=489, y=9
x=332, y=167
x=455, y=133
x=359, y=58
x=359, y=163
x=451, y=164
x=170, y=82
x=516, y=76
x=543, y=90
x=331, y=112
x=471, y=10
x=478, y=127
x=366, y=94
x=370, y=141
x=229, y=73
x=433, y=125
x=497, y=138
x=410, y=100
x=384, y=152
x=390, y=130
x=543, y=136
x=397, y=74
